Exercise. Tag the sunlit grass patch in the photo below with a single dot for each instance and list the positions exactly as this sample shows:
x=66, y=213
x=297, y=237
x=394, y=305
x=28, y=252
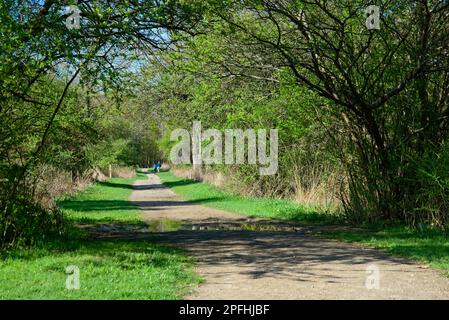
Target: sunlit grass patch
x=105, y=202
x=208, y=195
x=109, y=269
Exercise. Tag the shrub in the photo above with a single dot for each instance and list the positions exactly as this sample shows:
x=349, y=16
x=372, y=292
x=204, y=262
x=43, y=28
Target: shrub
x=23, y=221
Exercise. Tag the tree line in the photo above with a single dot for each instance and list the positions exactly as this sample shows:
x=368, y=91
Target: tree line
x=362, y=113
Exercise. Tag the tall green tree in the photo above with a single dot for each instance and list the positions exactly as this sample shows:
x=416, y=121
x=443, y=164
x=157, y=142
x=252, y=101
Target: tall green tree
x=389, y=85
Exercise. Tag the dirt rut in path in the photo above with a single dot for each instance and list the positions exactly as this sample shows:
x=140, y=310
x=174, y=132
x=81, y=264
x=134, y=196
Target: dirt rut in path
x=243, y=264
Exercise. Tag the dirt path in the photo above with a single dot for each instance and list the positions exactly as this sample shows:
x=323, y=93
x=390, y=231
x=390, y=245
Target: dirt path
x=288, y=264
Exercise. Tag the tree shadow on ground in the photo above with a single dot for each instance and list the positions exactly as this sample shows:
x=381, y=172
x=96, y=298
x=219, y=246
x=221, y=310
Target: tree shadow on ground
x=120, y=205
x=165, y=185
x=278, y=254
x=171, y=184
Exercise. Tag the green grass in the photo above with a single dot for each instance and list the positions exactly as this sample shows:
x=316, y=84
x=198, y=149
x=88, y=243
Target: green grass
x=211, y=196
x=109, y=269
x=105, y=202
x=425, y=245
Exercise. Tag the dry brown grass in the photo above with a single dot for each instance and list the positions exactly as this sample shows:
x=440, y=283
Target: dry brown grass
x=123, y=172
x=307, y=186
x=119, y=172
x=319, y=192
x=165, y=167
x=53, y=183
x=204, y=175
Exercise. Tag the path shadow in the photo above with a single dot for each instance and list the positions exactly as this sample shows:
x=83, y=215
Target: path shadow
x=132, y=187
x=265, y=254
x=109, y=205
x=98, y=205
x=288, y=256
x=166, y=185
x=115, y=185
x=171, y=184
x=152, y=205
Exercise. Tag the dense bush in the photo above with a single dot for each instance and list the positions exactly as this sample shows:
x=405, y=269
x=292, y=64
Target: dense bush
x=362, y=114
x=23, y=221
x=346, y=105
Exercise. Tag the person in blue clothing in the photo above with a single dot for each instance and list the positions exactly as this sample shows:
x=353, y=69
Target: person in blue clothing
x=155, y=167
x=158, y=166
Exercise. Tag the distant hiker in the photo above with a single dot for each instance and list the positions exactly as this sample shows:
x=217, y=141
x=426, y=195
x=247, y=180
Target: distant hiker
x=155, y=167
x=158, y=166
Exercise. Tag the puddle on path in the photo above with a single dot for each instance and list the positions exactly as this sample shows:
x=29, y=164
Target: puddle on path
x=167, y=225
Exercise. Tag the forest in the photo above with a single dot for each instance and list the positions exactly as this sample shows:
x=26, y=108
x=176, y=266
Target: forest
x=358, y=92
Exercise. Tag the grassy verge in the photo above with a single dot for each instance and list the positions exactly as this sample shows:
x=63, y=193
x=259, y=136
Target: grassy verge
x=211, y=196
x=423, y=245
x=109, y=269
x=105, y=202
